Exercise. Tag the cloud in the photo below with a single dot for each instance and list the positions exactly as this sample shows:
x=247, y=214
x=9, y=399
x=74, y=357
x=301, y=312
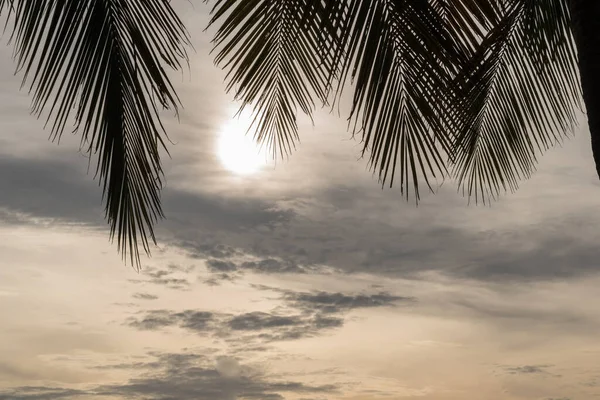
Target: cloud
x=408, y=242
x=328, y=303
x=61, y=190
x=49, y=189
x=166, y=277
x=153, y=320
x=226, y=379
x=302, y=315
x=322, y=322
x=208, y=249
x=256, y=321
x=197, y=321
x=183, y=376
x=530, y=370
x=40, y=393
x=274, y=266
x=221, y=266
x=145, y=296
x=228, y=270
x=321, y=229
x=215, y=213
x=268, y=327
x=221, y=271
x=244, y=328
x=527, y=369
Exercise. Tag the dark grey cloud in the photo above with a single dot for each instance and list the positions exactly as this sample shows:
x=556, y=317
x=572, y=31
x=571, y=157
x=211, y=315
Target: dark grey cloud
x=351, y=240
x=145, y=296
x=50, y=189
x=63, y=191
x=328, y=303
x=40, y=393
x=249, y=328
x=274, y=266
x=529, y=370
x=302, y=315
x=382, y=249
x=185, y=376
x=153, y=320
x=208, y=249
x=221, y=270
x=326, y=322
x=169, y=277
x=390, y=240
x=130, y=366
x=197, y=321
x=215, y=213
x=228, y=270
x=221, y=266
x=256, y=321
x=269, y=327
x=190, y=379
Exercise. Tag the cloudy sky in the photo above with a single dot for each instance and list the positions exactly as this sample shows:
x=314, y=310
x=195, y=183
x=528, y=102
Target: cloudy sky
x=301, y=280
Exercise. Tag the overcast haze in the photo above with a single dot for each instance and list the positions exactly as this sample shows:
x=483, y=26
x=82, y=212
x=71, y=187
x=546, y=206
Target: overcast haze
x=302, y=280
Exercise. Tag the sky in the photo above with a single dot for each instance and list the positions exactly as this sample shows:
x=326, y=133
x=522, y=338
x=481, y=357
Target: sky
x=302, y=280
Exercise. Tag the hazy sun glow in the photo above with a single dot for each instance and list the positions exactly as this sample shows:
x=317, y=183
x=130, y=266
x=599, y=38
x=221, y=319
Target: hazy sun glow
x=237, y=150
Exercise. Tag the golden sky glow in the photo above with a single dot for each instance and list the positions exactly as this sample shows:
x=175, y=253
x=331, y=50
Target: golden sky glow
x=305, y=281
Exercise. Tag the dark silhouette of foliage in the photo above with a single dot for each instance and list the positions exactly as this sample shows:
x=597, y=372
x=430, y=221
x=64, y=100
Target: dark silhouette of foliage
x=475, y=90
x=102, y=63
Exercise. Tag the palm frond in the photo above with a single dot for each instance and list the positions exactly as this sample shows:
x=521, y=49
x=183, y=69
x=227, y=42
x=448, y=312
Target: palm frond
x=400, y=58
x=516, y=98
x=467, y=22
x=101, y=63
x=272, y=51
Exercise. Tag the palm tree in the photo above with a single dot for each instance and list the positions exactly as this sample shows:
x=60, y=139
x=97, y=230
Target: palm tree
x=471, y=89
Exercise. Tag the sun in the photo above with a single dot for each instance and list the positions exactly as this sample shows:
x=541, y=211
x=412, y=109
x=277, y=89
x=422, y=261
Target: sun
x=237, y=150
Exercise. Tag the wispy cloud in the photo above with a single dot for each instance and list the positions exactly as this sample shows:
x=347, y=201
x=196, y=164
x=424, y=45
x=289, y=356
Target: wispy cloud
x=145, y=296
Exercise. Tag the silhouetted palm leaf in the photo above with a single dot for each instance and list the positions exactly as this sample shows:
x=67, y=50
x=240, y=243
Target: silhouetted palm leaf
x=482, y=85
x=101, y=62
x=398, y=58
x=285, y=54
x=517, y=97
x=273, y=51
